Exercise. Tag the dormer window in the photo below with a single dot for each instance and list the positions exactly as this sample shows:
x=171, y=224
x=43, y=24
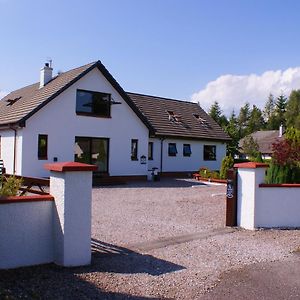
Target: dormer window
x=201, y=120
x=10, y=102
x=173, y=117
x=91, y=103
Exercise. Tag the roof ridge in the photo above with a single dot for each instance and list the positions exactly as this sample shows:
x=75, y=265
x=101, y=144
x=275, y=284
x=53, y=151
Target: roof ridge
x=163, y=98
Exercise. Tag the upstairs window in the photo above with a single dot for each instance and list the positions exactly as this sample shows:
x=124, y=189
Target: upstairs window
x=150, y=151
x=134, y=149
x=93, y=103
x=43, y=146
x=209, y=152
x=172, y=150
x=187, y=150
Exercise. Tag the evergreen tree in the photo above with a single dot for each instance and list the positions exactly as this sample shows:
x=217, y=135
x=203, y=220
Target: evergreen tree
x=269, y=108
x=216, y=113
x=256, y=120
x=280, y=110
x=292, y=114
x=269, y=114
x=233, y=131
x=243, y=119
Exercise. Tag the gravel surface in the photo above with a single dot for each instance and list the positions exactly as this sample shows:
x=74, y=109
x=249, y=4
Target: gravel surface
x=158, y=240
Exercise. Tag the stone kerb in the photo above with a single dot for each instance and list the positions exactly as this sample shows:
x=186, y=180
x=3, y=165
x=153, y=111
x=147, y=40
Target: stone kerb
x=71, y=186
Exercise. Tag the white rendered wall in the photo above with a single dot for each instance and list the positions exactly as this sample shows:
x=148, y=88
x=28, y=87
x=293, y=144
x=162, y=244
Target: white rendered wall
x=58, y=119
x=277, y=207
x=7, y=150
x=180, y=163
x=26, y=234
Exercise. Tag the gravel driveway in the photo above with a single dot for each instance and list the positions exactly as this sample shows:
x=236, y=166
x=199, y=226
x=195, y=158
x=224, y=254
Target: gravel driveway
x=158, y=240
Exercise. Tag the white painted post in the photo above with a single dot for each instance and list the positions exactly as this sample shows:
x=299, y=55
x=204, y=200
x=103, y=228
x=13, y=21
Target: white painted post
x=71, y=186
x=250, y=175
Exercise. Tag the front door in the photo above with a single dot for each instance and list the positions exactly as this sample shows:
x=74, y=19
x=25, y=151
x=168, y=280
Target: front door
x=93, y=151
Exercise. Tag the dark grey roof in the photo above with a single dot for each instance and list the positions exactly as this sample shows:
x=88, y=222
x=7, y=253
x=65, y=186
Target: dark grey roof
x=28, y=100
x=264, y=139
x=192, y=121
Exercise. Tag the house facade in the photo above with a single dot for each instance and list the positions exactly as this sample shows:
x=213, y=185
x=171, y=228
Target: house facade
x=84, y=115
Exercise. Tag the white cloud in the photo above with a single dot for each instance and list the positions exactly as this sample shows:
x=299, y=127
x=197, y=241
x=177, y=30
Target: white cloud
x=233, y=91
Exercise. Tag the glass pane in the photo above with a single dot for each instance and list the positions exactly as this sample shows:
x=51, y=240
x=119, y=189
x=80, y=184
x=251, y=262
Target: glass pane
x=84, y=102
x=82, y=150
x=99, y=154
x=101, y=104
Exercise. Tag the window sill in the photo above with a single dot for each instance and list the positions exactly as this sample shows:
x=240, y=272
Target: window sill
x=42, y=158
x=134, y=159
x=92, y=115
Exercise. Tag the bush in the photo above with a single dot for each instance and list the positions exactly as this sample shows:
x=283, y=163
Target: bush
x=227, y=163
x=204, y=172
x=282, y=174
x=10, y=186
x=285, y=164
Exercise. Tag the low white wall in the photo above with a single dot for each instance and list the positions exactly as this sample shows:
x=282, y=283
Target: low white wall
x=277, y=207
x=265, y=206
x=26, y=234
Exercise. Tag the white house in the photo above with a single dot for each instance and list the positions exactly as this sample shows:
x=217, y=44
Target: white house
x=84, y=115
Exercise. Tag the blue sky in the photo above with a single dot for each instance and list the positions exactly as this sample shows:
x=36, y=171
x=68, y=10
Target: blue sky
x=169, y=48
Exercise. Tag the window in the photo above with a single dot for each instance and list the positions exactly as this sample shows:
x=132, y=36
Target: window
x=43, y=146
x=93, y=151
x=134, y=149
x=187, y=150
x=150, y=151
x=93, y=103
x=172, y=150
x=209, y=152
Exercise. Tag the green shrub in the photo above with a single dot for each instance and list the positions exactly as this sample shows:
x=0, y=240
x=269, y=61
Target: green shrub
x=215, y=175
x=282, y=174
x=10, y=186
x=205, y=172
x=227, y=163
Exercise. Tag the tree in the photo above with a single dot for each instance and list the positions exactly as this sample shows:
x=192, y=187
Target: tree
x=256, y=120
x=251, y=148
x=280, y=110
x=216, y=113
x=292, y=114
x=269, y=114
x=243, y=119
x=269, y=109
x=233, y=131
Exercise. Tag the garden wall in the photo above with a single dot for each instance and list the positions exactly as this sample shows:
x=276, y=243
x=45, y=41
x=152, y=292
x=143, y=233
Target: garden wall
x=26, y=231
x=265, y=205
x=43, y=229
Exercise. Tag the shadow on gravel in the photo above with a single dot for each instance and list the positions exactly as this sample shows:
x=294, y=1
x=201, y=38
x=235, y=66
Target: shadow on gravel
x=114, y=259
x=53, y=282
x=163, y=183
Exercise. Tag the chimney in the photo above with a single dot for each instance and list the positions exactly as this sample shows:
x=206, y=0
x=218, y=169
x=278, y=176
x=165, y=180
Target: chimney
x=280, y=131
x=45, y=75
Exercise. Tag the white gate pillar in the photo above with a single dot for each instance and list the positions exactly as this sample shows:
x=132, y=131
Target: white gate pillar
x=250, y=175
x=71, y=186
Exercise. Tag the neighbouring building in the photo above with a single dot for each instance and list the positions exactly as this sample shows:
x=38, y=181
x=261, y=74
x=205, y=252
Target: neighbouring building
x=85, y=115
x=264, y=139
